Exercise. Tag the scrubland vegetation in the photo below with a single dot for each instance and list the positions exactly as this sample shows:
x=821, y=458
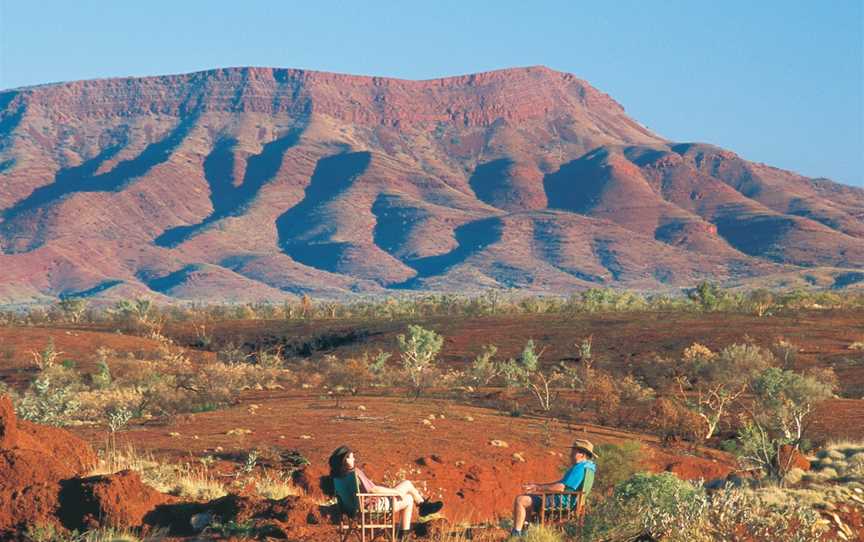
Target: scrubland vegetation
x=142, y=314
x=743, y=398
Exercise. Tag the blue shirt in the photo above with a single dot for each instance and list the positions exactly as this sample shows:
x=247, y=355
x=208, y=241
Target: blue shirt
x=575, y=475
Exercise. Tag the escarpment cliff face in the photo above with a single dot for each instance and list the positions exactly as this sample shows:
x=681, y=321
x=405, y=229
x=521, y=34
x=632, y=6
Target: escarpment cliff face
x=256, y=183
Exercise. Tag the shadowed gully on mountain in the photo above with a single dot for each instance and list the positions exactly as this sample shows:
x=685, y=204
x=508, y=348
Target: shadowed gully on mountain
x=471, y=238
x=302, y=235
x=226, y=198
x=82, y=179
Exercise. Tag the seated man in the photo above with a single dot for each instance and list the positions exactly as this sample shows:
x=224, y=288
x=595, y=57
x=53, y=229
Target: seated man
x=581, y=454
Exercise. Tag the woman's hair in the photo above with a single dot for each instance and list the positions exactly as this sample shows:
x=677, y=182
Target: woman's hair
x=337, y=461
x=337, y=469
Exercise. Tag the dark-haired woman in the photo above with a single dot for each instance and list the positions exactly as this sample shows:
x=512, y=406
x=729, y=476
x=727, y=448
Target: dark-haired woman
x=342, y=463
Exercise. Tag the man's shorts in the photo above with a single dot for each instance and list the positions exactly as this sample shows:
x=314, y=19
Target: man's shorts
x=552, y=501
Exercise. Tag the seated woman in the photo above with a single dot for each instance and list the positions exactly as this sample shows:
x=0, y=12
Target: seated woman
x=344, y=477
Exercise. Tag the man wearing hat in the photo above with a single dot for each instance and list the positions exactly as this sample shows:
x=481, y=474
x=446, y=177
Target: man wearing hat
x=581, y=455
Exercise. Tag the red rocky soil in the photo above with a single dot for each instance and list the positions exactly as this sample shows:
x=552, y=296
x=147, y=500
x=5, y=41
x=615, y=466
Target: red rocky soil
x=35, y=460
x=450, y=457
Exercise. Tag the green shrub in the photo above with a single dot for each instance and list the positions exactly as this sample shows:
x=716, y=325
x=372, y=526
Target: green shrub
x=48, y=402
x=419, y=353
x=662, y=507
x=616, y=463
x=651, y=506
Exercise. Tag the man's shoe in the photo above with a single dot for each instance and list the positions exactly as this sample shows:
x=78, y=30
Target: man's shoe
x=427, y=508
x=405, y=535
x=516, y=534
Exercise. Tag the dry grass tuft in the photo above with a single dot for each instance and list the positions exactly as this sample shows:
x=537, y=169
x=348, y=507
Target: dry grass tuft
x=181, y=480
x=275, y=486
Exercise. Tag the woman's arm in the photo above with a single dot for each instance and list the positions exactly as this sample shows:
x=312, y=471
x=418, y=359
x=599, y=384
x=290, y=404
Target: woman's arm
x=381, y=490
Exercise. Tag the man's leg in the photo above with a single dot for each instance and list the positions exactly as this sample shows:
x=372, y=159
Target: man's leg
x=521, y=505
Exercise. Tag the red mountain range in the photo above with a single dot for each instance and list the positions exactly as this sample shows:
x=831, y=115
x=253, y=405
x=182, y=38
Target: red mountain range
x=257, y=183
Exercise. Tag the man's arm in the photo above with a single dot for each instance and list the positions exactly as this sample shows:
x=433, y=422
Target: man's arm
x=572, y=478
x=555, y=487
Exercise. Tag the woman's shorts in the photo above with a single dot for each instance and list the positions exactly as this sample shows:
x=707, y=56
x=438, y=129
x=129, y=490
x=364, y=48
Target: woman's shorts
x=378, y=504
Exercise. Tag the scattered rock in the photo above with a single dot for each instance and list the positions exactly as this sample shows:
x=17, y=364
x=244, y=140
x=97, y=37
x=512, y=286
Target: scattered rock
x=518, y=457
x=200, y=521
x=304, y=437
x=361, y=408
x=499, y=443
x=468, y=419
x=429, y=460
x=239, y=431
x=174, y=434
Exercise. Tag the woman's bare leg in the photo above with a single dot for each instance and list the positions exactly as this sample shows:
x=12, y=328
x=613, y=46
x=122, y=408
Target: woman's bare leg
x=407, y=488
x=405, y=508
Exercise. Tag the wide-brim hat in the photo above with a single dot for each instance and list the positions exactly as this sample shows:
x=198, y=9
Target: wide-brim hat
x=585, y=446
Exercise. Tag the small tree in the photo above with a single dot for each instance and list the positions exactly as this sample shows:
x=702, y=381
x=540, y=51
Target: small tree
x=788, y=398
x=760, y=300
x=419, y=350
x=616, y=463
x=707, y=294
x=73, y=308
x=484, y=369
x=307, y=307
x=786, y=352
x=48, y=357
x=138, y=312
x=782, y=404
x=534, y=378
x=711, y=382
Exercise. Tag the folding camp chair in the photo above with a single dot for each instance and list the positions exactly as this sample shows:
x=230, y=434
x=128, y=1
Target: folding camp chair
x=565, y=506
x=371, y=514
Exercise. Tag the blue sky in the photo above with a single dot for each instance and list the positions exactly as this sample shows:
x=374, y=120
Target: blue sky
x=780, y=82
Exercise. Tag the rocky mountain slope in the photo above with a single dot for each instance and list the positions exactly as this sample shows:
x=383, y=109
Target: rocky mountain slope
x=257, y=183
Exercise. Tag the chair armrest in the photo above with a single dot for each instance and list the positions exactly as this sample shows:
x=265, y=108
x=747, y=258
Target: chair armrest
x=551, y=493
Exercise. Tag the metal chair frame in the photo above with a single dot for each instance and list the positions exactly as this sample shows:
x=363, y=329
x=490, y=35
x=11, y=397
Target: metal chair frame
x=551, y=513
x=577, y=503
x=368, y=519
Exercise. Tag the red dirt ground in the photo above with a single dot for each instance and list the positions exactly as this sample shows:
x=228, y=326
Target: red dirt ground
x=34, y=460
x=454, y=460
x=451, y=459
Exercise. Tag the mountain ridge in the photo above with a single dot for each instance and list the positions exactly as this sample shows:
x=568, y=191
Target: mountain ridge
x=240, y=183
